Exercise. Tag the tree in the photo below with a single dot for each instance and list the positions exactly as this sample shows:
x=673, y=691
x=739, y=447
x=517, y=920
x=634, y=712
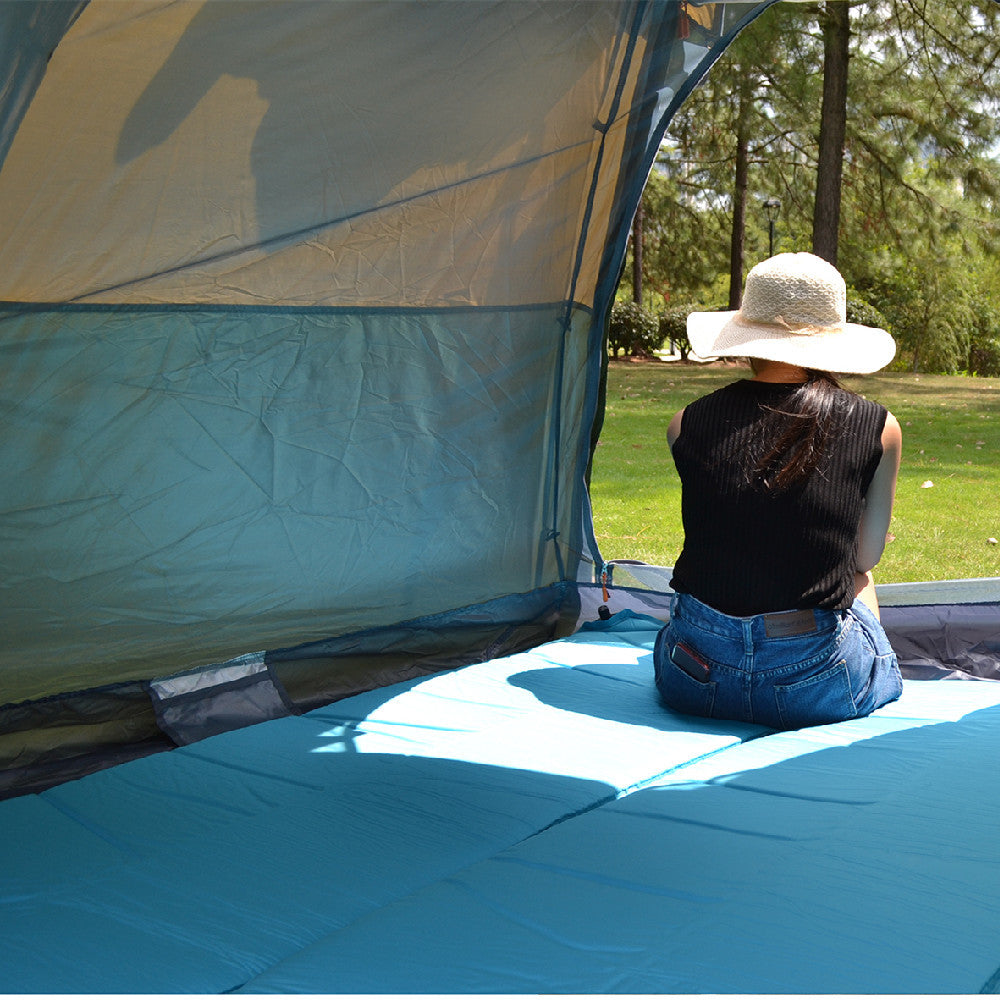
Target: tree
x=683, y=248
x=923, y=123
x=637, y=241
x=921, y=181
x=919, y=186
x=832, y=130
x=733, y=142
x=741, y=180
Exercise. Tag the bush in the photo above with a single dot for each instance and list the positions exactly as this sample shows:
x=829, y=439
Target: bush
x=673, y=328
x=984, y=343
x=633, y=329
x=984, y=358
x=859, y=310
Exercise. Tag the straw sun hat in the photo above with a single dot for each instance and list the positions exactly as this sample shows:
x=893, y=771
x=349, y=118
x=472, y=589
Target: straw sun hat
x=794, y=310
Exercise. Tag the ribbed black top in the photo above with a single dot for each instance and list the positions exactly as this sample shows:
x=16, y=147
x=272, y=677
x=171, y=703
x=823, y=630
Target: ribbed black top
x=748, y=549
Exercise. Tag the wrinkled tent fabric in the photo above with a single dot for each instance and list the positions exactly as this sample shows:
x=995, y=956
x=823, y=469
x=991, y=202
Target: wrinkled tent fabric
x=301, y=312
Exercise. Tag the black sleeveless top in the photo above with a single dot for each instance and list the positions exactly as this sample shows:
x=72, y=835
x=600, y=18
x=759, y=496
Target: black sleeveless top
x=749, y=549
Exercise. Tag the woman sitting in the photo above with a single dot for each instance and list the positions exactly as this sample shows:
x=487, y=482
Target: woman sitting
x=788, y=482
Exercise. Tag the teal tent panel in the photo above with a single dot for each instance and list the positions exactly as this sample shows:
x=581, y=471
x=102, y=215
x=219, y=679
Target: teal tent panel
x=301, y=313
x=346, y=153
x=178, y=481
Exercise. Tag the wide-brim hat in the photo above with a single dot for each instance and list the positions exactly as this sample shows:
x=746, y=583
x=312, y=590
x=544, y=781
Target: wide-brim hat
x=794, y=310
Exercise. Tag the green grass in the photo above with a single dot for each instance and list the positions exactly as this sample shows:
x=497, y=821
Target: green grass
x=951, y=438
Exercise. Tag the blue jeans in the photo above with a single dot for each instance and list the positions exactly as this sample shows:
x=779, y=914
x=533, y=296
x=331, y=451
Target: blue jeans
x=785, y=671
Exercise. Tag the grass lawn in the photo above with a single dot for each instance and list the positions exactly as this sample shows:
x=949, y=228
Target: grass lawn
x=951, y=439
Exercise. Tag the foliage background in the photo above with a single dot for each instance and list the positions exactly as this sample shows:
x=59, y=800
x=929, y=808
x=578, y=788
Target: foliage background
x=920, y=214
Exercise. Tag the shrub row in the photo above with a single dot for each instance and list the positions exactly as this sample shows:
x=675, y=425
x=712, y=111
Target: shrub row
x=636, y=331
x=639, y=332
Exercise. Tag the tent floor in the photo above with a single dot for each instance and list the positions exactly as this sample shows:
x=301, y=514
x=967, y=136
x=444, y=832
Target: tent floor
x=537, y=823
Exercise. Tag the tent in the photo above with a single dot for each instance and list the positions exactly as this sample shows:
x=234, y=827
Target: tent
x=301, y=307
x=302, y=314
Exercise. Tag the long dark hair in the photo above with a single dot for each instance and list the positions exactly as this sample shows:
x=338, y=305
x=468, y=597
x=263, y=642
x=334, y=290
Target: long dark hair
x=800, y=430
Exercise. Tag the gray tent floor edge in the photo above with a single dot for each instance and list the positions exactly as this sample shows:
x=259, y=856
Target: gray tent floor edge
x=940, y=630
x=316, y=673
x=51, y=740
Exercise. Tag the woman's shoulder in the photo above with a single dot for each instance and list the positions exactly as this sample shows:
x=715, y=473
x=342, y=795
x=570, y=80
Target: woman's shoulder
x=892, y=433
x=741, y=388
x=727, y=402
x=866, y=408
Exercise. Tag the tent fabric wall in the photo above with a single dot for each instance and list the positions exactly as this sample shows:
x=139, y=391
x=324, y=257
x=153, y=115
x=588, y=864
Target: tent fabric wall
x=301, y=312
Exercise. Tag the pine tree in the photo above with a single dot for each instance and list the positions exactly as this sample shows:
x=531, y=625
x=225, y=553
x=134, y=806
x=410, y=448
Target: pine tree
x=919, y=192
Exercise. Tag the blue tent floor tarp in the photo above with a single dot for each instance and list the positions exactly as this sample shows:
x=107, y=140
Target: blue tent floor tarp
x=537, y=823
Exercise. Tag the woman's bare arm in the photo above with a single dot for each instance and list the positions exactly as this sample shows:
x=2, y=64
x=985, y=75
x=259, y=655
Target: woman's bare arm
x=674, y=430
x=879, y=499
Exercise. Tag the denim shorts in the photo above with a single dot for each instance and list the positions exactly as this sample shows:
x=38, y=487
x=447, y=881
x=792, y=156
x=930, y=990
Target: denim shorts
x=784, y=671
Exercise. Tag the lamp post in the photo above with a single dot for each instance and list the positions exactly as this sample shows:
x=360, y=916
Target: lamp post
x=772, y=206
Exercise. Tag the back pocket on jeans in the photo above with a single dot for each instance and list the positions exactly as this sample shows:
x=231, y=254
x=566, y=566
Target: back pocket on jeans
x=814, y=701
x=682, y=692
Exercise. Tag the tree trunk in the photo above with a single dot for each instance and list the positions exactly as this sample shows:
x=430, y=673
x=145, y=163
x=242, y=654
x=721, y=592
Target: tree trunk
x=637, y=254
x=833, y=129
x=740, y=184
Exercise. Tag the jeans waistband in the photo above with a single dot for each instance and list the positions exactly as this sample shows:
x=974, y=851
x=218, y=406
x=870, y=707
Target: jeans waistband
x=771, y=625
